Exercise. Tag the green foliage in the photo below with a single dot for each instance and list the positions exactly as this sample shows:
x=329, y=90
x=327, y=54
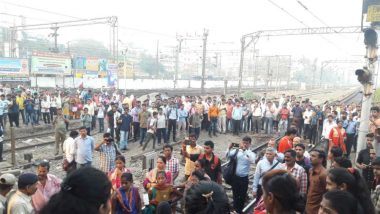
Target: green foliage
x=148, y=64
x=89, y=47
x=249, y=95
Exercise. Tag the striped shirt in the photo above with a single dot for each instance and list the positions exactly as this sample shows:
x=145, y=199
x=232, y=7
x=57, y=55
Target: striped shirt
x=107, y=157
x=300, y=175
x=172, y=165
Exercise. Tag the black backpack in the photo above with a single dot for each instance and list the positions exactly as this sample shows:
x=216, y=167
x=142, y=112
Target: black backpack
x=229, y=170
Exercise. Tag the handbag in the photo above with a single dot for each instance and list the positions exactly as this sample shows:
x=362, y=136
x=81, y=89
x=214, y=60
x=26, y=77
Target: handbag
x=229, y=171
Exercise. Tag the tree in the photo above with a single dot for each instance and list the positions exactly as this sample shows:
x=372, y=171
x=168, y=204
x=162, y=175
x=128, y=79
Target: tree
x=148, y=64
x=88, y=47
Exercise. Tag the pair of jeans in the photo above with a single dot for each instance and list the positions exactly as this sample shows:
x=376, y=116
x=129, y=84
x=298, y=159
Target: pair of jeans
x=93, y=122
x=212, y=127
x=150, y=136
x=172, y=125
x=229, y=124
x=349, y=143
x=46, y=117
x=123, y=139
x=161, y=134
x=22, y=112
x=256, y=124
x=53, y=111
x=142, y=135
x=282, y=126
x=313, y=134
x=268, y=125
x=236, y=126
x=136, y=130
x=37, y=116
x=30, y=118
x=101, y=125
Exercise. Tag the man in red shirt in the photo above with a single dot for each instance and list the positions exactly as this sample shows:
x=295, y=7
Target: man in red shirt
x=284, y=115
x=287, y=141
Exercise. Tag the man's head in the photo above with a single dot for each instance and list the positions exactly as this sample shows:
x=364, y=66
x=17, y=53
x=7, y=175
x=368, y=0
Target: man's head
x=272, y=143
x=270, y=153
x=330, y=118
x=208, y=147
x=291, y=133
x=300, y=150
x=155, y=114
x=85, y=110
x=369, y=138
x=290, y=157
x=2, y=97
x=107, y=138
x=193, y=139
x=83, y=131
x=375, y=111
x=168, y=149
x=246, y=142
x=42, y=170
x=143, y=107
x=7, y=181
x=27, y=183
x=317, y=158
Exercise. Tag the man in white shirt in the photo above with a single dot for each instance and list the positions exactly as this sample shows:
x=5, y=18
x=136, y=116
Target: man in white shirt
x=70, y=151
x=45, y=110
x=307, y=119
x=328, y=124
x=91, y=111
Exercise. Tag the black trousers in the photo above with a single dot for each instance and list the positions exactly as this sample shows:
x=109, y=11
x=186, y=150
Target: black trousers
x=22, y=112
x=349, y=143
x=46, y=117
x=136, y=130
x=172, y=124
x=1, y=151
x=313, y=134
x=239, y=192
x=236, y=126
x=13, y=118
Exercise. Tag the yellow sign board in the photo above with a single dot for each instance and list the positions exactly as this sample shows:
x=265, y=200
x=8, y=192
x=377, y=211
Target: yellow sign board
x=373, y=14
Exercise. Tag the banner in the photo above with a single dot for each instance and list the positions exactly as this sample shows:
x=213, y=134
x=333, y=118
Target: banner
x=12, y=69
x=112, y=74
x=79, y=63
x=51, y=64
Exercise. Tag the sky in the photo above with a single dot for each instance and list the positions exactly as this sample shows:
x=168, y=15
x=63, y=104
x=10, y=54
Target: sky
x=143, y=22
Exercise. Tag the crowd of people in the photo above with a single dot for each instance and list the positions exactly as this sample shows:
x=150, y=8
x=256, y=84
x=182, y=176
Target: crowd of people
x=287, y=178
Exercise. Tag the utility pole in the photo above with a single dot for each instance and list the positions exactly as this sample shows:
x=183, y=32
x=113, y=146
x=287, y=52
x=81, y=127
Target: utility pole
x=205, y=35
x=157, y=59
x=242, y=41
x=178, y=50
x=55, y=35
x=366, y=76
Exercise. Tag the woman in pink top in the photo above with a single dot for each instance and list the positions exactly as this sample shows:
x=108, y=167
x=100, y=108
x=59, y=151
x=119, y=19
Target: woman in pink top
x=150, y=179
x=115, y=174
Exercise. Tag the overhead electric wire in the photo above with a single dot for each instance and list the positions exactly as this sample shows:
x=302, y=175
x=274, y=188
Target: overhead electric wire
x=303, y=23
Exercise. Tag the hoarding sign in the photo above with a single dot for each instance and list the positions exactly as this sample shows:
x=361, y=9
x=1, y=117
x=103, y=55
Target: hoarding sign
x=12, y=69
x=51, y=64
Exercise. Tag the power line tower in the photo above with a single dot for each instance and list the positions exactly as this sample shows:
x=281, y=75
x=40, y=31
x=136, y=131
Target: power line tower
x=205, y=35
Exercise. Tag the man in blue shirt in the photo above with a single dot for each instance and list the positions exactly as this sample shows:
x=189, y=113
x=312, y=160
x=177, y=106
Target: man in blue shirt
x=182, y=115
x=85, y=145
x=351, y=133
x=172, y=114
x=245, y=157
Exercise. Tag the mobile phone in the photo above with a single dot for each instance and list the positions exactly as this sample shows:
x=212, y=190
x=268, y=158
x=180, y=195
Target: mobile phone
x=235, y=145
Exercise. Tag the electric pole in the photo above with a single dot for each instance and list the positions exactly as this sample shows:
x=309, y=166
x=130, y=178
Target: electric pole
x=55, y=35
x=367, y=75
x=157, y=59
x=178, y=50
x=205, y=34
